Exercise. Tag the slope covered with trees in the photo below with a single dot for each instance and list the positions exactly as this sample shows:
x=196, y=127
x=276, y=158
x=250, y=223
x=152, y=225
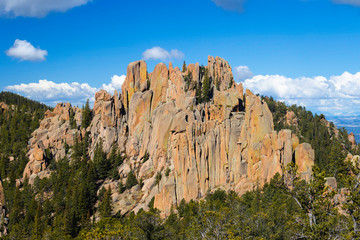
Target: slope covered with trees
x=75, y=201
x=16, y=125
x=331, y=144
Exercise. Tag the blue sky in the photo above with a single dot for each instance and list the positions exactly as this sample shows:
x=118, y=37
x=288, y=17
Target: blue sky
x=301, y=51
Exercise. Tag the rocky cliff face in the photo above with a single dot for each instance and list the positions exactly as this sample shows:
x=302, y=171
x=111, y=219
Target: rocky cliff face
x=227, y=143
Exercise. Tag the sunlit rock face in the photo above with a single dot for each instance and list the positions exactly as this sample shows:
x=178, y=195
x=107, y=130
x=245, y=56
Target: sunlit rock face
x=228, y=142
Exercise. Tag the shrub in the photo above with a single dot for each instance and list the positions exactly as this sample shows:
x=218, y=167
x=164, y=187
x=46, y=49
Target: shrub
x=167, y=172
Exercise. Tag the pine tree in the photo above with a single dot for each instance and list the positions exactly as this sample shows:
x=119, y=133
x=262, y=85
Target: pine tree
x=77, y=151
x=351, y=205
x=86, y=115
x=38, y=227
x=158, y=178
x=106, y=205
x=131, y=180
x=206, y=87
x=102, y=165
x=72, y=119
x=184, y=67
x=318, y=213
x=198, y=93
x=91, y=184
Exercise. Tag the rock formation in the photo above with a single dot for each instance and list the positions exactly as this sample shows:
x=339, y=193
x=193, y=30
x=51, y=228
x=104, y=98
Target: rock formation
x=3, y=107
x=227, y=143
x=53, y=134
x=352, y=140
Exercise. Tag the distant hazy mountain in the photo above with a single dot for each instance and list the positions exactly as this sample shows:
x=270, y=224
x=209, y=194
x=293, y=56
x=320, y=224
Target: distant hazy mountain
x=351, y=123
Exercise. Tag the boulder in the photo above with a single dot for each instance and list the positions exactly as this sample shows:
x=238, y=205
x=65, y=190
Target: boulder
x=331, y=183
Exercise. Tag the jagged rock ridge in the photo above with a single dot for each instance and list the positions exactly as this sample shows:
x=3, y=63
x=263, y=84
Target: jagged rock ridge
x=227, y=143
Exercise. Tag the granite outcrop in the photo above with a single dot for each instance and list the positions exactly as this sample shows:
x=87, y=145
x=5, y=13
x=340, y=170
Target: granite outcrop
x=227, y=143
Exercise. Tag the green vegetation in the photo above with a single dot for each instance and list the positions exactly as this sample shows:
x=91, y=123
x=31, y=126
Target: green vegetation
x=73, y=124
x=184, y=67
x=206, y=87
x=65, y=205
x=105, y=207
x=87, y=115
x=131, y=180
x=146, y=156
x=188, y=81
x=272, y=212
x=167, y=172
x=22, y=102
x=203, y=89
x=328, y=143
x=158, y=178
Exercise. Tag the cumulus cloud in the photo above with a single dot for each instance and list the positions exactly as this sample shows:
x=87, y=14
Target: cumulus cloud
x=116, y=83
x=37, y=8
x=350, y=2
x=243, y=73
x=337, y=95
x=24, y=51
x=52, y=93
x=231, y=5
x=158, y=53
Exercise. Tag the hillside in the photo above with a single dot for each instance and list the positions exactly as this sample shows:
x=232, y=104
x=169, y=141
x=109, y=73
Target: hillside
x=180, y=149
x=19, y=117
x=331, y=144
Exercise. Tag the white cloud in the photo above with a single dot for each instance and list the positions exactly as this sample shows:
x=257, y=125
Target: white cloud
x=24, y=51
x=116, y=83
x=350, y=2
x=52, y=93
x=243, y=73
x=37, y=8
x=158, y=53
x=231, y=5
x=337, y=95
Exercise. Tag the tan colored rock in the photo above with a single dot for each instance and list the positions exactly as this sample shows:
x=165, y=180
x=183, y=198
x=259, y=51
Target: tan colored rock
x=291, y=118
x=220, y=70
x=240, y=89
x=194, y=69
x=102, y=95
x=352, y=140
x=140, y=115
x=331, y=183
x=62, y=110
x=176, y=86
x=3, y=107
x=49, y=114
x=136, y=80
x=220, y=144
x=159, y=84
x=304, y=158
x=294, y=141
